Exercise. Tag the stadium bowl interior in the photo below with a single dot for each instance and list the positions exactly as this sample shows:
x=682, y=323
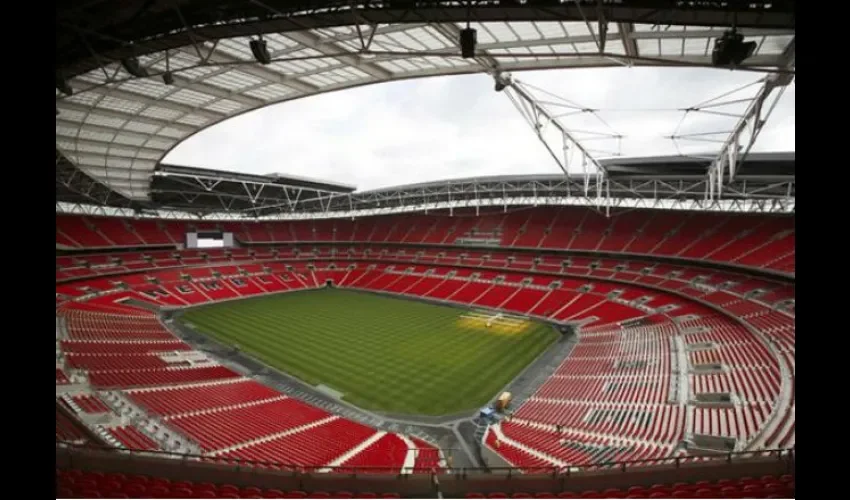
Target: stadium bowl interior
x=328, y=346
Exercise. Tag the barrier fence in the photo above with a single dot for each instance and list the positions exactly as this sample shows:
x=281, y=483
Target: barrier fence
x=781, y=455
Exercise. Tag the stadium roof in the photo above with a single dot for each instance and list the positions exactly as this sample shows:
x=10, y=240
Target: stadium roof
x=765, y=183
x=116, y=127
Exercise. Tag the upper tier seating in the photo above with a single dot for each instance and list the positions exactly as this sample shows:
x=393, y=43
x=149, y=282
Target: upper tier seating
x=750, y=240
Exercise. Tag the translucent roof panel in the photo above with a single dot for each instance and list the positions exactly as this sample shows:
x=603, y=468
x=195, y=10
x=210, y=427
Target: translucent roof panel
x=126, y=124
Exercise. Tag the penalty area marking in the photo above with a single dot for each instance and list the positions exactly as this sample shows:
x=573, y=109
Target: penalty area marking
x=499, y=323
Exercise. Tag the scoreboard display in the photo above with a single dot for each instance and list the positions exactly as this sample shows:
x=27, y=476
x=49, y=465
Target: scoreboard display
x=209, y=239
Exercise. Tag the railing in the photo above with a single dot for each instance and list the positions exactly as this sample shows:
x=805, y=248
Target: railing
x=779, y=455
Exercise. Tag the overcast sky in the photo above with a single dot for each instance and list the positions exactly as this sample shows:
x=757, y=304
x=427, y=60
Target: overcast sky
x=452, y=127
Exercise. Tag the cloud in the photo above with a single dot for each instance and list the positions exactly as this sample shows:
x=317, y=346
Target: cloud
x=453, y=127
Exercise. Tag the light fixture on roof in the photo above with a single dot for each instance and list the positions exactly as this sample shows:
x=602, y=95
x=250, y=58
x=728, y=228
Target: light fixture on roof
x=132, y=66
x=168, y=76
x=503, y=80
x=468, y=39
x=62, y=86
x=731, y=49
x=260, y=50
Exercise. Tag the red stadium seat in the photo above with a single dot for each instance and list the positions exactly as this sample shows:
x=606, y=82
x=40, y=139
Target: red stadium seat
x=521, y=495
x=135, y=489
x=158, y=491
x=273, y=494
x=250, y=490
x=181, y=492
x=229, y=488
x=116, y=476
x=160, y=481
x=730, y=492
x=109, y=485
x=774, y=488
x=85, y=484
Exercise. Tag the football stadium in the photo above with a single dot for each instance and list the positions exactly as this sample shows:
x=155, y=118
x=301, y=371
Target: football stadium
x=564, y=310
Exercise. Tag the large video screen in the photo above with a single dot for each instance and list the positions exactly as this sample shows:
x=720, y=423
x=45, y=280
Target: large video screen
x=209, y=239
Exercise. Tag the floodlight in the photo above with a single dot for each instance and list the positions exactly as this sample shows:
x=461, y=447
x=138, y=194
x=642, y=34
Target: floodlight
x=131, y=64
x=468, y=39
x=260, y=51
x=62, y=86
x=731, y=49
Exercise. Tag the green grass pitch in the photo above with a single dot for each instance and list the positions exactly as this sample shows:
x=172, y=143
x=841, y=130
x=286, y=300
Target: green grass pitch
x=382, y=353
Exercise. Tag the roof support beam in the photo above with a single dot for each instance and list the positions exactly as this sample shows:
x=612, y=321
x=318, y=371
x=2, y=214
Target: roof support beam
x=119, y=115
x=539, y=117
x=212, y=90
x=108, y=145
x=111, y=131
x=312, y=41
x=252, y=68
x=94, y=158
x=136, y=97
x=627, y=32
x=754, y=119
x=114, y=173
